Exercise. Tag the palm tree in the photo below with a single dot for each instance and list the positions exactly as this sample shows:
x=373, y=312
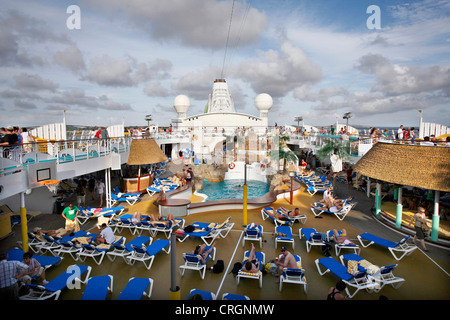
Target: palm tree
x=334, y=146
x=283, y=152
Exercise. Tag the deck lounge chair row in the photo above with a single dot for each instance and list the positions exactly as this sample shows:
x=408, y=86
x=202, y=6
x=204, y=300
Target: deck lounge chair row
x=97, y=287
x=153, y=227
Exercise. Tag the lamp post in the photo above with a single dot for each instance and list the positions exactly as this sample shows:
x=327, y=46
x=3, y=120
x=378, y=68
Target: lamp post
x=148, y=118
x=292, y=174
x=298, y=119
x=347, y=116
x=245, y=196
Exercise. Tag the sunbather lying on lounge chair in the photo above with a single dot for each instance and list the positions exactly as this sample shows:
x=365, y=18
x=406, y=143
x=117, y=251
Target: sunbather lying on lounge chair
x=251, y=265
x=333, y=208
x=200, y=250
x=52, y=233
x=162, y=219
x=137, y=217
x=328, y=203
x=341, y=238
x=291, y=214
x=277, y=215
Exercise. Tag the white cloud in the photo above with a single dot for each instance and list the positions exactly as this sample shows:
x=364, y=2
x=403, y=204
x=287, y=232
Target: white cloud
x=193, y=23
x=70, y=58
x=277, y=73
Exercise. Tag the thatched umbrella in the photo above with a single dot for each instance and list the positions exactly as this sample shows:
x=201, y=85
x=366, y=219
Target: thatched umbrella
x=410, y=165
x=143, y=152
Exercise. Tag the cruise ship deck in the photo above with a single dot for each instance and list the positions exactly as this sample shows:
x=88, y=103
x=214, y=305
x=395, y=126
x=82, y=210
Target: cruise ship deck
x=426, y=274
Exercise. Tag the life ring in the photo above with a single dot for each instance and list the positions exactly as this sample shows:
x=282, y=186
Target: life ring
x=231, y=165
x=263, y=167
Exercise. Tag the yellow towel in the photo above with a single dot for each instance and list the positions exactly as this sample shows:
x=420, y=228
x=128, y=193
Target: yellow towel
x=352, y=267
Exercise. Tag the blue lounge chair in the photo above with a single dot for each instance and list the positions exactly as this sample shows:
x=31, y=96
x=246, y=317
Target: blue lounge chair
x=383, y=275
x=45, y=261
x=166, y=227
x=301, y=218
x=106, y=212
x=49, y=244
x=97, y=288
x=253, y=232
x=339, y=246
x=294, y=275
x=195, y=262
x=34, y=242
x=54, y=287
x=130, y=199
x=401, y=247
x=67, y=246
x=147, y=254
x=340, y=214
x=206, y=295
x=123, y=194
x=151, y=190
x=232, y=296
x=312, y=237
x=357, y=281
x=125, y=222
x=313, y=189
x=136, y=288
x=283, y=234
x=124, y=250
x=97, y=253
x=266, y=214
x=208, y=232
x=261, y=258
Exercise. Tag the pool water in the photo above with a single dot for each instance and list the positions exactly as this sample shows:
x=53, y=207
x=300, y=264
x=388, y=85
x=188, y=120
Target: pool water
x=233, y=189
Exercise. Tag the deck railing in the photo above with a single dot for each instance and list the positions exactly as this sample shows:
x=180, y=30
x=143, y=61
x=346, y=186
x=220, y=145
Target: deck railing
x=12, y=159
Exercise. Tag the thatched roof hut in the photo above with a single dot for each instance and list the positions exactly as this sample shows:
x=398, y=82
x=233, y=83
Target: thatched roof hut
x=409, y=165
x=145, y=151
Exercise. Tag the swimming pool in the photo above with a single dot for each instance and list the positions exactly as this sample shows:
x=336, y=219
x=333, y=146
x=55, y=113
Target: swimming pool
x=233, y=189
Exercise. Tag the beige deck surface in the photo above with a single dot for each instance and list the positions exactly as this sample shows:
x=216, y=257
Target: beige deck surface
x=425, y=280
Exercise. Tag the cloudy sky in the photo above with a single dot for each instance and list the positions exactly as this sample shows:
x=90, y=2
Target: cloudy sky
x=317, y=59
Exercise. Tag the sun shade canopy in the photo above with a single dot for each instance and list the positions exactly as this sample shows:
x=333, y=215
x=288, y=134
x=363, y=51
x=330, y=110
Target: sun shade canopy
x=145, y=151
x=409, y=165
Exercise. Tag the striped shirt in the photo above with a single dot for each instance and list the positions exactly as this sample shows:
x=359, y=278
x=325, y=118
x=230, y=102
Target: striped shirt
x=8, y=272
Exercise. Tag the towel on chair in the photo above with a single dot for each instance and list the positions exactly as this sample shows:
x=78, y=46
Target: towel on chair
x=371, y=268
x=352, y=266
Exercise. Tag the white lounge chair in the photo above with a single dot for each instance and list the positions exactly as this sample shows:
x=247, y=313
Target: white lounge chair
x=195, y=262
x=283, y=234
x=401, y=247
x=266, y=214
x=253, y=232
x=294, y=275
x=147, y=254
x=261, y=258
x=340, y=246
x=124, y=250
x=301, y=218
x=98, y=287
x=340, y=214
x=312, y=237
x=357, y=281
x=53, y=288
x=383, y=275
x=129, y=199
x=136, y=288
